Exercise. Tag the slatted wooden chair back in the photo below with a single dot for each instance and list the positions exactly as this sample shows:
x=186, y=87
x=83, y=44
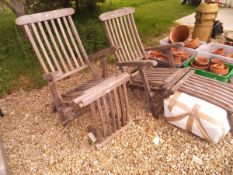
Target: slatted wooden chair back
x=55, y=41
x=122, y=34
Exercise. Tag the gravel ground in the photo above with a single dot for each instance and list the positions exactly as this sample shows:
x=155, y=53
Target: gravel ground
x=37, y=144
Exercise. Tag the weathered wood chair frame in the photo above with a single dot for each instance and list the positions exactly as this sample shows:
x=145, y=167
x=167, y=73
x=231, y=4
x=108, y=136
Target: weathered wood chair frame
x=122, y=34
x=63, y=55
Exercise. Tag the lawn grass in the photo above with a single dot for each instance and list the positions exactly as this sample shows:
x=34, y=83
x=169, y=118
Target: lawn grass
x=19, y=68
x=153, y=17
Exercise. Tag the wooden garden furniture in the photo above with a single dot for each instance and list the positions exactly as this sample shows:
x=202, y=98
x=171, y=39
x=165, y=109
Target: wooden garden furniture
x=61, y=54
x=123, y=36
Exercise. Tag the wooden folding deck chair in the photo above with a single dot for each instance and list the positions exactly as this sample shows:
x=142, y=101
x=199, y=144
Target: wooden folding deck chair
x=61, y=54
x=123, y=36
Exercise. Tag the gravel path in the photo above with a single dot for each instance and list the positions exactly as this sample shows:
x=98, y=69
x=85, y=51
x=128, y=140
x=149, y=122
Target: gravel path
x=37, y=144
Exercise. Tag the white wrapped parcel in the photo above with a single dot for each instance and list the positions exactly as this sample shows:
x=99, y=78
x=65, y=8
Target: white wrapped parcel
x=197, y=116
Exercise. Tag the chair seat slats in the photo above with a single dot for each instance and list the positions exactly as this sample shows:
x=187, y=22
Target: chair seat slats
x=155, y=76
x=220, y=94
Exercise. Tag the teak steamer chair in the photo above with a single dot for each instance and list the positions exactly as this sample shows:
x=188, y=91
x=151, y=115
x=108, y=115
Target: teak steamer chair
x=61, y=54
x=122, y=34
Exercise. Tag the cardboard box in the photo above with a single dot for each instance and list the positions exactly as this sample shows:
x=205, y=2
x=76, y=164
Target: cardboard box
x=195, y=115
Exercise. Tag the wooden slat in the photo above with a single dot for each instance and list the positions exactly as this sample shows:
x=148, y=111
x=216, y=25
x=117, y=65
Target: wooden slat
x=80, y=45
x=42, y=47
x=133, y=36
x=56, y=46
x=207, y=97
x=118, y=109
x=130, y=38
x=107, y=140
x=116, y=13
x=107, y=117
x=214, y=82
x=122, y=103
x=73, y=41
x=96, y=122
x=67, y=42
x=112, y=110
x=99, y=90
x=212, y=87
x=102, y=118
x=124, y=48
x=70, y=73
x=112, y=39
x=175, y=87
x=39, y=17
x=61, y=45
x=29, y=34
x=220, y=93
x=126, y=39
x=49, y=47
x=120, y=49
x=175, y=77
x=137, y=34
x=126, y=102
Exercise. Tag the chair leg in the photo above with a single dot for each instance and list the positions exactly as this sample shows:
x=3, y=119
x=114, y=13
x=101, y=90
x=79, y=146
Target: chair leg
x=62, y=117
x=230, y=119
x=156, y=102
x=54, y=108
x=156, y=105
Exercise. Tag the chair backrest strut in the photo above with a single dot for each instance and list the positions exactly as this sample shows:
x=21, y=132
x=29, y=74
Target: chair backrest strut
x=55, y=40
x=122, y=33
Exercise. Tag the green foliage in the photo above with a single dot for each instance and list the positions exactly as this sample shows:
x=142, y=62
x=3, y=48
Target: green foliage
x=92, y=34
x=153, y=17
x=89, y=4
x=18, y=65
x=33, y=6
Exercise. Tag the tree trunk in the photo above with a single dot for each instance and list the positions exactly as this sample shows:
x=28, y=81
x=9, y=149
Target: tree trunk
x=18, y=6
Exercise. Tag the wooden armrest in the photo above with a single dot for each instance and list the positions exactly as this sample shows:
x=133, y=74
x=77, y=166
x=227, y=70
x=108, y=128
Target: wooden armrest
x=165, y=47
x=102, y=88
x=52, y=76
x=102, y=53
x=139, y=63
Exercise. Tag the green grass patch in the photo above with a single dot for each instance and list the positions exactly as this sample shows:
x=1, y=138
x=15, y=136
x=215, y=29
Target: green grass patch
x=18, y=65
x=153, y=17
x=19, y=68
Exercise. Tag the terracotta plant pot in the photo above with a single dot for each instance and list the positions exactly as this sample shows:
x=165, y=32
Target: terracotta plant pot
x=174, y=49
x=193, y=43
x=206, y=67
x=179, y=33
x=216, y=61
x=155, y=53
x=220, y=69
x=230, y=55
x=177, y=59
x=201, y=61
x=220, y=51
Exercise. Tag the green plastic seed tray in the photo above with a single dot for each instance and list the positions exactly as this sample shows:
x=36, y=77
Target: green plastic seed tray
x=224, y=79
